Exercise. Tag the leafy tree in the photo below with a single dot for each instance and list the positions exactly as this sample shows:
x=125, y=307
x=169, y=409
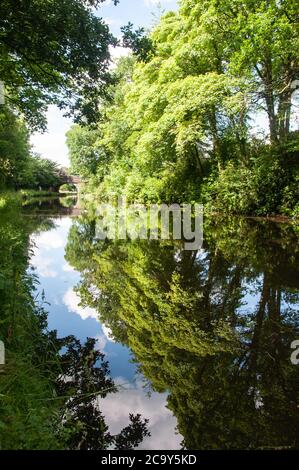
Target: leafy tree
x=67, y=188
x=53, y=52
x=84, y=155
x=85, y=378
x=183, y=110
x=40, y=173
x=225, y=363
x=138, y=41
x=14, y=147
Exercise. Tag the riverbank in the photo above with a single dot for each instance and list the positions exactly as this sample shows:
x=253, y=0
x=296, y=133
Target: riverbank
x=29, y=193
x=11, y=198
x=90, y=200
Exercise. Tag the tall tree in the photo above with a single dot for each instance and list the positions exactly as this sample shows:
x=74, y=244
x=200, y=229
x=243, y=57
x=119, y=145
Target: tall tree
x=54, y=52
x=224, y=360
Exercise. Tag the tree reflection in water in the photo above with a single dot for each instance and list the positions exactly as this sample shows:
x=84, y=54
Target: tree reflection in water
x=213, y=328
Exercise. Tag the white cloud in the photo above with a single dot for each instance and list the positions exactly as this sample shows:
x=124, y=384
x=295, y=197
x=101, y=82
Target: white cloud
x=72, y=301
x=162, y=424
x=43, y=266
x=67, y=268
x=118, y=52
x=108, y=333
x=101, y=342
x=64, y=223
x=47, y=241
x=42, y=243
x=150, y=3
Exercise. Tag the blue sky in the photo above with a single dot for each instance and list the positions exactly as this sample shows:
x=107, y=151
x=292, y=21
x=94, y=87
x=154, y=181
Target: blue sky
x=140, y=12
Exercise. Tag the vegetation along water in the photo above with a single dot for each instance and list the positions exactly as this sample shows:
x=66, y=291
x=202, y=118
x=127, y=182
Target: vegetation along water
x=125, y=344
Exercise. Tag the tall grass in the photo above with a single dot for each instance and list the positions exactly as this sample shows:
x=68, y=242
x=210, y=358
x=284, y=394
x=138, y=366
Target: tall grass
x=26, y=420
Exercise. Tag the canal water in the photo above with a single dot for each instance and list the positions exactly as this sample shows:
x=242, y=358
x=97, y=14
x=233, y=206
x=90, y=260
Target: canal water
x=199, y=343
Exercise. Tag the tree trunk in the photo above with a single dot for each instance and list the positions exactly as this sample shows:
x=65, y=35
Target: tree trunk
x=198, y=161
x=216, y=140
x=272, y=118
x=284, y=114
x=267, y=77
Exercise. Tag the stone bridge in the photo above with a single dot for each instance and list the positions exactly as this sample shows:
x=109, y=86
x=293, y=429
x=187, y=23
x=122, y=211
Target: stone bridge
x=73, y=180
x=65, y=178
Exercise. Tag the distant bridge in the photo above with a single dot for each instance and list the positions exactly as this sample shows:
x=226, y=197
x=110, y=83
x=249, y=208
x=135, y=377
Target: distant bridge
x=66, y=178
x=70, y=179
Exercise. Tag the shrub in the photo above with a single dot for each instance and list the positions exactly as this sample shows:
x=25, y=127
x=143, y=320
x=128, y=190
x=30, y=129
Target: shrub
x=269, y=186
x=233, y=191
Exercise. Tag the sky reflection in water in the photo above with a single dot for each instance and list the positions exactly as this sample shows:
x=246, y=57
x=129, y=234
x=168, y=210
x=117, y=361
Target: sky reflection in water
x=58, y=280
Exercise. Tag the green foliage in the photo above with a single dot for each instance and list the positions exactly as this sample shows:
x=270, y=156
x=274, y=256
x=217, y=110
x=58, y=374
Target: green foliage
x=18, y=167
x=53, y=52
x=40, y=173
x=29, y=194
x=234, y=191
x=88, y=378
x=67, y=188
x=138, y=41
x=177, y=125
x=14, y=148
x=224, y=362
x=84, y=155
x=8, y=200
x=268, y=186
x=25, y=421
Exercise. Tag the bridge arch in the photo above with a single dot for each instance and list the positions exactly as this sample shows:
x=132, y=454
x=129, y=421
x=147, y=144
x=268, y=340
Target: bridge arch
x=71, y=179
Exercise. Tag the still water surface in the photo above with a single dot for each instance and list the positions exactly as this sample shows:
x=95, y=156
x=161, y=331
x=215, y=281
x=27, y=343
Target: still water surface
x=199, y=342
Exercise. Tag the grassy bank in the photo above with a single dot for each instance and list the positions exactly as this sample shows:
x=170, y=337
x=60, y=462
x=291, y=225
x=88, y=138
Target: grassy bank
x=25, y=422
x=29, y=193
x=9, y=199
